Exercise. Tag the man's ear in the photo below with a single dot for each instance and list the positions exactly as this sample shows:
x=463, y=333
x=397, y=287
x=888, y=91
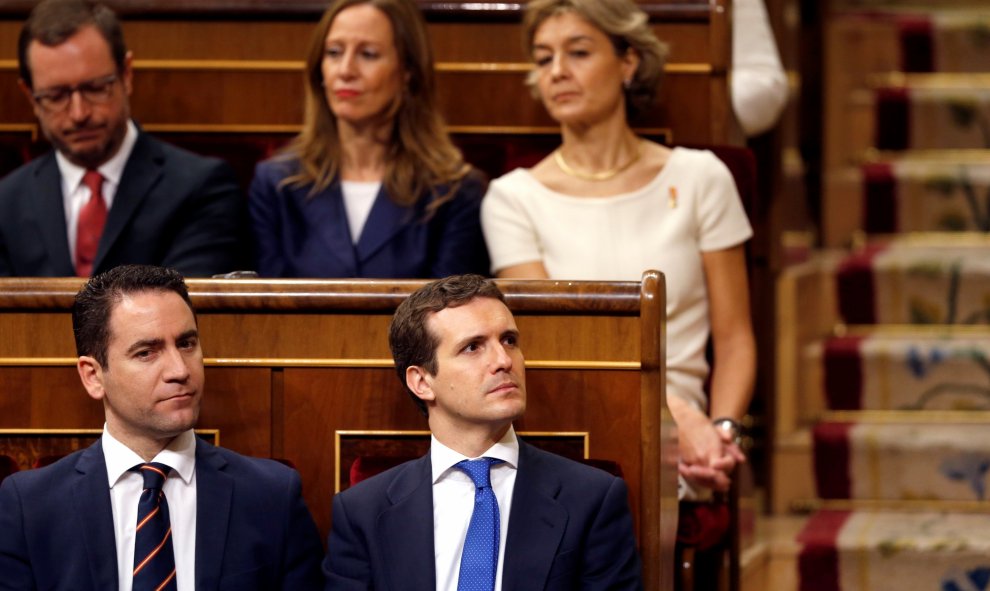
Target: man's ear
x=29, y=94
x=26, y=90
x=419, y=382
x=127, y=76
x=91, y=375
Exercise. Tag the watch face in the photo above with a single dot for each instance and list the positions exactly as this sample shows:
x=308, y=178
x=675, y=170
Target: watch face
x=729, y=426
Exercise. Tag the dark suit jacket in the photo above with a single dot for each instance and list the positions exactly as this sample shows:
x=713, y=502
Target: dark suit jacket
x=299, y=235
x=172, y=208
x=253, y=530
x=569, y=528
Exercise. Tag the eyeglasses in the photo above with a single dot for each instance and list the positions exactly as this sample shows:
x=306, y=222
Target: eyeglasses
x=95, y=92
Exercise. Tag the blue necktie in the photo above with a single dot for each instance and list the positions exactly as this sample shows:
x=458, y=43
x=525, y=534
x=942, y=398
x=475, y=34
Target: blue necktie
x=480, y=559
x=154, y=561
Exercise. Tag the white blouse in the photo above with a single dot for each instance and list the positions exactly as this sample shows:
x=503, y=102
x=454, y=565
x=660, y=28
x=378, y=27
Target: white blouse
x=691, y=206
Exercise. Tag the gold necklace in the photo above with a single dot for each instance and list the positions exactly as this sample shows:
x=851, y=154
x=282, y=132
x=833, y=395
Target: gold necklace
x=604, y=175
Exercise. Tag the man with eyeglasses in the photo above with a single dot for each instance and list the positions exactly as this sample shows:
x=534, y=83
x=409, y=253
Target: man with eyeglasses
x=109, y=194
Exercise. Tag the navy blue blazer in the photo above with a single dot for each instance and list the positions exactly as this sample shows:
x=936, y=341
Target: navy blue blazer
x=570, y=528
x=298, y=235
x=253, y=530
x=172, y=208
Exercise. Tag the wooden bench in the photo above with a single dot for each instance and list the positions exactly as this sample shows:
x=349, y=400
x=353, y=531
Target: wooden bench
x=300, y=370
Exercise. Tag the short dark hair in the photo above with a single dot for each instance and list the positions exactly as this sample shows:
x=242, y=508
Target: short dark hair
x=410, y=340
x=51, y=22
x=95, y=301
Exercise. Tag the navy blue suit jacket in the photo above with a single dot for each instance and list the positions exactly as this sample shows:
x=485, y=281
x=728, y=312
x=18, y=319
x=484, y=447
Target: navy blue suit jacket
x=570, y=528
x=253, y=530
x=298, y=235
x=172, y=208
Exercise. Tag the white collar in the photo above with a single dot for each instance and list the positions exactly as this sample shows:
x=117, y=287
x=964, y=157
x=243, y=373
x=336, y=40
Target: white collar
x=180, y=455
x=111, y=170
x=443, y=458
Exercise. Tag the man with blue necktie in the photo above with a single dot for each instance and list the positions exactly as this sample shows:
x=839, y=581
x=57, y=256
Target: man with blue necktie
x=150, y=506
x=483, y=510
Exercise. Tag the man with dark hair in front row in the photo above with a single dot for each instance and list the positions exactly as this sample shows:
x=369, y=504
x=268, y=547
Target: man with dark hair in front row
x=150, y=506
x=109, y=194
x=482, y=510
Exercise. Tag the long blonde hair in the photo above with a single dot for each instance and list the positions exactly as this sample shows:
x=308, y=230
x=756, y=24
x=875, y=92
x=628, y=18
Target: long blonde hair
x=420, y=155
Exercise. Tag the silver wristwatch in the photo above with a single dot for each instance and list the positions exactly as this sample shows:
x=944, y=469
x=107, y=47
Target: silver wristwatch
x=730, y=426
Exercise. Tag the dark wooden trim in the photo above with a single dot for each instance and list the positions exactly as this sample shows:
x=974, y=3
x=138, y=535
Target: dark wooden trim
x=653, y=517
x=307, y=295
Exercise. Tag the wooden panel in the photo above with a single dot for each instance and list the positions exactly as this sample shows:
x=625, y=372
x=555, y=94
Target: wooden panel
x=317, y=403
x=566, y=400
x=46, y=398
x=225, y=97
x=51, y=397
x=36, y=334
x=295, y=336
x=16, y=108
x=238, y=402
x=219, y=40
x=215, y=39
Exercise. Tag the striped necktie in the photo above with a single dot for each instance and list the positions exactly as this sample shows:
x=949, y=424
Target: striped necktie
x=154, y=560
x=479, y=561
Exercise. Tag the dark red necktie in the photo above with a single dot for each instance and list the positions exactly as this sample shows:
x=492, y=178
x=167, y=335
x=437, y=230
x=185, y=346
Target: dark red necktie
x=92, y=218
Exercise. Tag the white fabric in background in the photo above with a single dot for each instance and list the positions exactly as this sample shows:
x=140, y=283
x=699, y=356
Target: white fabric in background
x=758, y=84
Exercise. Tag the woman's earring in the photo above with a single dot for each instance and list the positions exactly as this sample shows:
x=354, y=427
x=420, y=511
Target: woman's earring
x=627, y=83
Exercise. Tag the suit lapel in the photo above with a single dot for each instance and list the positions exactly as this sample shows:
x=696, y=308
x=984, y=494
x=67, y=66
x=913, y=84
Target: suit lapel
x=143, y=170
x=49, y=210
x=91, y=499
x=411, y=565
x=385, y=220
x=326, y=210
x=214, y=489
x=536, y=524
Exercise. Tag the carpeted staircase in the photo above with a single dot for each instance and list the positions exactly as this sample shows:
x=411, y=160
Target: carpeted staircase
x=883, y=411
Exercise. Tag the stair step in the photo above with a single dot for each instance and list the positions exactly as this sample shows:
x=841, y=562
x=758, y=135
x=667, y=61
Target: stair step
x=908, y=370
x=960, y=41
x=880, y=551
x=943, y=42
x=917, y=461
x=933, y=111
x=905, y=281
x=916, y=195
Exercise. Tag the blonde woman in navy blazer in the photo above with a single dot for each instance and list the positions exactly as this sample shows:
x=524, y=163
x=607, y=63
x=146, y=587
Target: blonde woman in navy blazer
x=371, y=123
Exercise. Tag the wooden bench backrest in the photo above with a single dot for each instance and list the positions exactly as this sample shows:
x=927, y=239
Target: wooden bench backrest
x=300, y=370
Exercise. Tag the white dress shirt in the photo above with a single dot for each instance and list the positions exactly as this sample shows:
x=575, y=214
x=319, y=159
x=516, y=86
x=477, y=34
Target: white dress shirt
x=180, y=492
x=453, y=503
x=75, y=194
